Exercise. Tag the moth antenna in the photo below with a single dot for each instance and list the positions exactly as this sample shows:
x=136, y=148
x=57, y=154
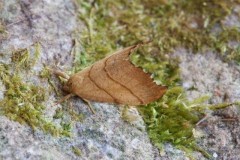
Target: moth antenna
x=140, y=44
x=64, y=99
x=89, y=105
x=60, y=74
x=146, y=42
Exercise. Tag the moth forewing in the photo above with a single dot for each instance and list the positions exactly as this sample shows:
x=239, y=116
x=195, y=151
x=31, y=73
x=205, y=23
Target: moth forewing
x=115, y=79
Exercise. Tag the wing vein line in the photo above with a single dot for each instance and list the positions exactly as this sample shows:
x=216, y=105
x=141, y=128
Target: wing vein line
x=105, y=63
x=89, y=75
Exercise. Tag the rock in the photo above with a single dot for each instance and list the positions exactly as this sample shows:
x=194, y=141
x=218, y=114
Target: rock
x=106, y=135
x=101, y=136
x=213, y=76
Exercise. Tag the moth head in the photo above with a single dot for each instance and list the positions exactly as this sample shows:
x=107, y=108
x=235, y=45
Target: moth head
x=72, y=84
x=68, y=87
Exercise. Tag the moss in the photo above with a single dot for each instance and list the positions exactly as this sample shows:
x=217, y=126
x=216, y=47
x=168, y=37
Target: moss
x=173, y=118
x=23, y=101
x=75, y=116
x=3, y=31
x=2, y=28
x=58, y=113
x=45, y=73
x=21, y=58
x=37, y=52
x=195, y=25
x=127, y=116
x=76, y=151
x=66, y=110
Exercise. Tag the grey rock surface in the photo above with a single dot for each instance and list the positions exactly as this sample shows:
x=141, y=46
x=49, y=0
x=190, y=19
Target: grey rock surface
x=210, y=75
x=105, y=135
x=101, y=136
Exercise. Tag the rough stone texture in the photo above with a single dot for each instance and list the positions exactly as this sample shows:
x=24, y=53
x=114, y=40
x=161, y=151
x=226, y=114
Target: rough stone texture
x=210, y=75
x=105, y=135
x=49, y=22
x=101, y=136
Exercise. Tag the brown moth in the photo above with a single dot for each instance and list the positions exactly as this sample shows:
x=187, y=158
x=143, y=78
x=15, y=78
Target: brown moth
x=115, y=79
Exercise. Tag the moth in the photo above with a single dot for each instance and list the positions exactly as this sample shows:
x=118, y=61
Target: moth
x=115, y=79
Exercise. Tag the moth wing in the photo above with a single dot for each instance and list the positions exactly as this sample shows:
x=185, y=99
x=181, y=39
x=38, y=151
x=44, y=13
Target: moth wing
x=115, y=79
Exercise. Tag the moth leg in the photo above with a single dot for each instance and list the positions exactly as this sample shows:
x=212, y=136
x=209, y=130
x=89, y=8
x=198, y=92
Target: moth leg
x=64, y=98
x=89, y=105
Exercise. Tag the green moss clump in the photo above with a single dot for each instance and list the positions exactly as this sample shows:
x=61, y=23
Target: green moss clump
x=170, y=24
x=76, y=151
x=195, y=25
x=24, y=102
x=3, y=32
x=21, y=58
x=165, y=71
x=173, y=118
x=45, y=73
x=2, y=29
x=63, y=113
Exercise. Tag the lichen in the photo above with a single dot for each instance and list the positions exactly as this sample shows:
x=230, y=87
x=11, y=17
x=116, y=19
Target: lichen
x=195, y=25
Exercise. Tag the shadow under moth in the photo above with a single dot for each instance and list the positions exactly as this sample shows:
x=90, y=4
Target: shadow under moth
x=115, y=79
